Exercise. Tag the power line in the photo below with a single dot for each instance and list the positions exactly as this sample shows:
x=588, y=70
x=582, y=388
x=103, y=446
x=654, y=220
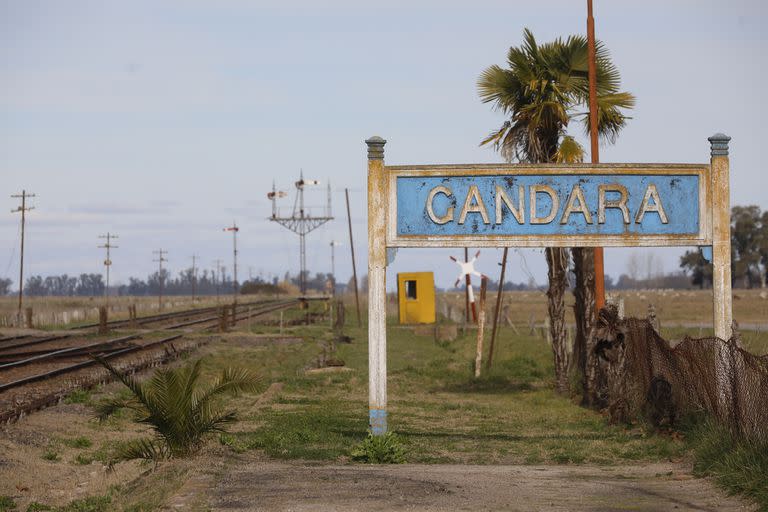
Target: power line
x=23, y=209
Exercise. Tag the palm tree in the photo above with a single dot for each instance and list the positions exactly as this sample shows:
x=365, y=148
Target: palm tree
x=180, y=412
x=543, y=89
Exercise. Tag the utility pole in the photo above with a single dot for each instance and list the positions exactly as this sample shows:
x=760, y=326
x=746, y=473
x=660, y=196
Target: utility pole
x=217, y=277
x=234, y=229
x=160, y=259
x=334, y=243
x=300, y=221
x=194, y=277
x=23, y=209
x=594, y=147
x=107, y=263
x=354, y=267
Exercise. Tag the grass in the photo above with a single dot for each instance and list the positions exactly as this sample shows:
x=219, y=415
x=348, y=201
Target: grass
x=439, y=411
x=79, y=396
x=51, y=455
x=7, y=503
x=739, y=466
x=78, y=442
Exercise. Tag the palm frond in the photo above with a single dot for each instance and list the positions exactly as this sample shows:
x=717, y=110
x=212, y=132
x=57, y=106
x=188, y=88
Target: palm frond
x=143, y=449
x=569, y=151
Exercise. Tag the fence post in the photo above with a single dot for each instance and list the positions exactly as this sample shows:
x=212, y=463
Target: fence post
x=28, y=313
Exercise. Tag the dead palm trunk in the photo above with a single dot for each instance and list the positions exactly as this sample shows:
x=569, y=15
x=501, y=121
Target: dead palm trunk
x=584, y=310
x=557, y=264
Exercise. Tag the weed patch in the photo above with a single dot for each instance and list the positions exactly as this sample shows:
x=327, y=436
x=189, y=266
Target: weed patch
x=383, y=449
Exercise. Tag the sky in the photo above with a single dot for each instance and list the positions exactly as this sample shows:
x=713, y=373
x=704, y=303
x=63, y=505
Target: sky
x=164, y=122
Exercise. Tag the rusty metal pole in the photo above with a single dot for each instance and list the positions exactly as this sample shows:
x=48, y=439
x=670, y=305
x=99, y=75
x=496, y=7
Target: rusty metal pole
x=595, y=150
x=468, y=283
x=354, y=267
x=498, y=309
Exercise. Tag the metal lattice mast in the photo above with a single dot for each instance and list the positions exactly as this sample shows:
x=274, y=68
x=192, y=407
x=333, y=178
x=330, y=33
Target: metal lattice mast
x=23, y=209
x=107, y=262
x=300, y=221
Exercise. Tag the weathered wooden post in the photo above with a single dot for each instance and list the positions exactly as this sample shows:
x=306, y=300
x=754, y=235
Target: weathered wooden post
x=102, y=320
x=721, y=269
x=721, y=235
x=377, y=292
x=29, y=319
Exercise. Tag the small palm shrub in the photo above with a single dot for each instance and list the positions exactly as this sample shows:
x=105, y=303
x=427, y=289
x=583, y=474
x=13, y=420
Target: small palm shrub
x=181, y=412
x=384, y=449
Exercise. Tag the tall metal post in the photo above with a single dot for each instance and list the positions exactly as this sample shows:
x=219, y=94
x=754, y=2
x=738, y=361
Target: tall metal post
x=354, y=265
x=334, y=243
x=377, y=291
x=107, y=262
x=194, y=278
x=23, y=209
x=234, y=229
x=594, y=147
x=217, y=278
x=160, y=259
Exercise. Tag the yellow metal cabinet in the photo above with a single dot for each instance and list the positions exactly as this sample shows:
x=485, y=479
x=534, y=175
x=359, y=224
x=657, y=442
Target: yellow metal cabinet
x=416, y=297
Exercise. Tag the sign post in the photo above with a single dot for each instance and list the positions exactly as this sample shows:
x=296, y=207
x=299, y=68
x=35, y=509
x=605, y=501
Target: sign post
x=545, y=205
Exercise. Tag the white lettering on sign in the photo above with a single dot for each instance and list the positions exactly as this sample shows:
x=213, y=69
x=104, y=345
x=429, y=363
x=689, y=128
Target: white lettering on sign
x=503, y=199
x=603, y=203
x=575, y=203
x=448, y=217
x=651, y=193
x=478, y=207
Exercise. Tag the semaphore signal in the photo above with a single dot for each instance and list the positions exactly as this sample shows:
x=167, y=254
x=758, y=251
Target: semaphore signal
x=300, y=222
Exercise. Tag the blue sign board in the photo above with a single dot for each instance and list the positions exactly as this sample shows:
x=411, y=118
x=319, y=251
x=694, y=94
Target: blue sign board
x=548, y=204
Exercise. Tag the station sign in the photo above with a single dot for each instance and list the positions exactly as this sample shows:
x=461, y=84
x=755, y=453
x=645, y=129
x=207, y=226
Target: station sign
x=595, y=205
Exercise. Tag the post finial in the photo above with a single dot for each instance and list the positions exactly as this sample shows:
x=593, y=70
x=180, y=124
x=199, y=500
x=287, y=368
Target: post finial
x=718, y=144
x=375, y=148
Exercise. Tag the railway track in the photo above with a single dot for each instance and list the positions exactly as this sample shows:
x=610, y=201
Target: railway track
x=36, y=371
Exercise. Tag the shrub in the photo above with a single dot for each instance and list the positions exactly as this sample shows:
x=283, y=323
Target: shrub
x=384, y=449
x=178, y=409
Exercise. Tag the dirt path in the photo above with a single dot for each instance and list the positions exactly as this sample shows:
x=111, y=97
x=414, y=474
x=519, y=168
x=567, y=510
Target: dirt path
x=255, y=485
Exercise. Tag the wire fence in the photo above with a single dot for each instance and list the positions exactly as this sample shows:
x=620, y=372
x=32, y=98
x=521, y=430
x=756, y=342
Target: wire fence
x=640, y=374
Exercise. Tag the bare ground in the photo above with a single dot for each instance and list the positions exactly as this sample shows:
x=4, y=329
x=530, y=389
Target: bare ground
x=253, y=484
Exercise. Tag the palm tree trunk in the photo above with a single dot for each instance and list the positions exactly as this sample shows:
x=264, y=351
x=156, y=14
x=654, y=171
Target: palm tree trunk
x=557, y=264
x=584, y=309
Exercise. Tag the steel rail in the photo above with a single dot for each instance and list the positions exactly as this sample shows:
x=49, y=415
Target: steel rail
x=84, y=364
x=159, y=317
x=56, y=337
x=49, y=355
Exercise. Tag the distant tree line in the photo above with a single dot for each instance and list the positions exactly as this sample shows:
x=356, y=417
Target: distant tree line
x=749, y=251
x=184, y=283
